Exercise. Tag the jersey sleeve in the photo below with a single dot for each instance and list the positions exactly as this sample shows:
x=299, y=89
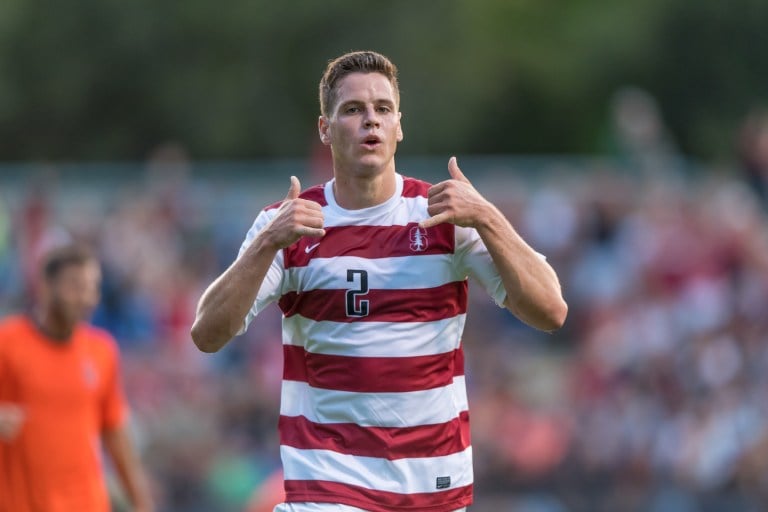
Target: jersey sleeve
x=473, y=260
x=114, y=406
x=271, y=287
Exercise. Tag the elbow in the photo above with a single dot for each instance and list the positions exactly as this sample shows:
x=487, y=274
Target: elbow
x=548, y=317
x=553, y=310
x=204, y=341
x=208, y=348
x=555, y=316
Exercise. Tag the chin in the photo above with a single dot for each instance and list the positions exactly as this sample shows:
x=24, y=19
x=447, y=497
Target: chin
x=374, y=162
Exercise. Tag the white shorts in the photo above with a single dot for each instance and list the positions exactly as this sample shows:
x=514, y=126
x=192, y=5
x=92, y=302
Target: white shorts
x=325, y=507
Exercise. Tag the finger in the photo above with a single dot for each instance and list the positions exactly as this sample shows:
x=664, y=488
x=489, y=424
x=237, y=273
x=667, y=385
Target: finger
x=434, y=221
x=311, y=232
x=311, y=220
x=454, y=171
x=436, y=208
x=294, y=189
x=311, y=205
x=436, y=189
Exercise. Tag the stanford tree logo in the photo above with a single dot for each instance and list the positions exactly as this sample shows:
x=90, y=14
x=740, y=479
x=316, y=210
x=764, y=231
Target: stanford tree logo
x=418, y=239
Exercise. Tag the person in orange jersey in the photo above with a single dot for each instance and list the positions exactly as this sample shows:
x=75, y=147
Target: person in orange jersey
x=61, y=399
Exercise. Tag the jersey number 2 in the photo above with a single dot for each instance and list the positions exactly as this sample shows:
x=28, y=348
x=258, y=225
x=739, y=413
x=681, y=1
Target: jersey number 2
x=356, y=306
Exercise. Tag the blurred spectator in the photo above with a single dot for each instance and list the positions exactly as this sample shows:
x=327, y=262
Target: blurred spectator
x=61, y=398
x=752, y=147
x=651, y=399
x=640, y=135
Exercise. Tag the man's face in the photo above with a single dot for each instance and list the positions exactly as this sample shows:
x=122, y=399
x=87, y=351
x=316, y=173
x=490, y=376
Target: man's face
x=364, y=127
x=75, y=292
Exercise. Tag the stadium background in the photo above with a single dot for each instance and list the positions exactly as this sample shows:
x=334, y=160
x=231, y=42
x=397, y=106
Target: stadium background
x=628, y=143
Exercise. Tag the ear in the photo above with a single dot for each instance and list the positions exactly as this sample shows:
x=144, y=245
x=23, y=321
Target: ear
x=399, y=127
x=323, y=128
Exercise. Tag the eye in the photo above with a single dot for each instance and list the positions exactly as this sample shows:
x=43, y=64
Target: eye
x=352, y=109
x=384, y=109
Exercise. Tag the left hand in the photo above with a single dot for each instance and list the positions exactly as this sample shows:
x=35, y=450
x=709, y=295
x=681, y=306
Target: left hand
x=11, y=420
x=454, y=201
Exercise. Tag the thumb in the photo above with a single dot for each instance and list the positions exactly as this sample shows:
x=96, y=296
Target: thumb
x=454, y=171
x=294, y=189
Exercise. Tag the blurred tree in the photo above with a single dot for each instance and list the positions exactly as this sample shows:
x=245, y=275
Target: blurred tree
x=711, y=70
x=111, y=80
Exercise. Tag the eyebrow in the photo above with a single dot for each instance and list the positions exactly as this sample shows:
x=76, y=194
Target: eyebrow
x=382, y=101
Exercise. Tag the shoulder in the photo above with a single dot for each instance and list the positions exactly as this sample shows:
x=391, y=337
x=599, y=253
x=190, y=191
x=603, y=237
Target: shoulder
x=413, y=187
x=16, y=335
x=99, y=340
x=13, y=325
x=315, y=193
x=11, y=322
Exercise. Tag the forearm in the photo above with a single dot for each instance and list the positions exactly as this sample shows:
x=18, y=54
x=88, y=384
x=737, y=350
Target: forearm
x=533, y=290
x=119, y=447
x=225, y=304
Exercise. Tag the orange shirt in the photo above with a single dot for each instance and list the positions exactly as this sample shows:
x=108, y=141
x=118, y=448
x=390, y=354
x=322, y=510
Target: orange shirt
x=69, y=392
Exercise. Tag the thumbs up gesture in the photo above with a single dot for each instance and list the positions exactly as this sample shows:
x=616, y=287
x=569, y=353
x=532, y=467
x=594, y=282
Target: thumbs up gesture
x=454, y=201
x=295, y=218
x=294, y=189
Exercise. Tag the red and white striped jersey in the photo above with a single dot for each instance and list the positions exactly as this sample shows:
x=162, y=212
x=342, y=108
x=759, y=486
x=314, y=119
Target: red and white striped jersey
x=374, y=409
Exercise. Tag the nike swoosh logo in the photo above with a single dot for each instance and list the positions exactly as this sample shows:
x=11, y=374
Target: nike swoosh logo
x=310, y=248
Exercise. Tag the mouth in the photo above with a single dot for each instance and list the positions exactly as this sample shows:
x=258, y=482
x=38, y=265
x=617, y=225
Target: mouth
x=371, y=142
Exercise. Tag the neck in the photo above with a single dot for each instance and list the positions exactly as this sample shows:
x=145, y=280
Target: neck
x=53, y=327
x=363, y=191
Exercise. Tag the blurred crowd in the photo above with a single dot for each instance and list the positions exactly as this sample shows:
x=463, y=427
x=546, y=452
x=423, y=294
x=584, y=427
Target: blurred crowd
x=652, y=397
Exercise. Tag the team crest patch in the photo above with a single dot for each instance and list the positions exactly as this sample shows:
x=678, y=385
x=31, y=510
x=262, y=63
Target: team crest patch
x=89, y=373
x=419, y=240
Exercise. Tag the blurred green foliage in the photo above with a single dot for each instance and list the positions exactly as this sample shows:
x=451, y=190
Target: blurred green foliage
x=110, y=79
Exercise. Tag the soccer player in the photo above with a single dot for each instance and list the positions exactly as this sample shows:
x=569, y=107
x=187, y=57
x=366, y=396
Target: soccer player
x=370, y=271
x=61, y=398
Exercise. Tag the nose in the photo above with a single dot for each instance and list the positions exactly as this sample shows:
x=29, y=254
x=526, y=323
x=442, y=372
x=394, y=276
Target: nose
x=371, y=118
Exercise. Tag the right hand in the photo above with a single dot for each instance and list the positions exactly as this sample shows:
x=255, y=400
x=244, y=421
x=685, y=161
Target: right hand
x=295, y=218
x=11, y=419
